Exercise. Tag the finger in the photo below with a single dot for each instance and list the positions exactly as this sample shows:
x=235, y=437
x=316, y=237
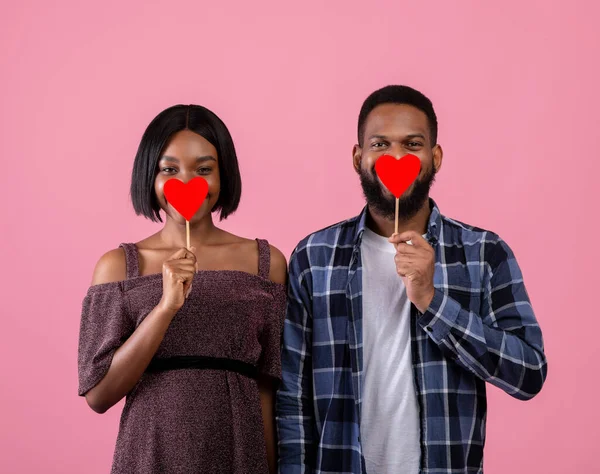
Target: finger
x=402, y=271
x=417, y=240
x=181, y=276
x=185, y=274
x=194, y=258
x=183, y=262
x=408, y=235
x=395, y=238
x=403, y=265
x=187, y=293
x=406, y=272
x=181, y=253
x=404, y=248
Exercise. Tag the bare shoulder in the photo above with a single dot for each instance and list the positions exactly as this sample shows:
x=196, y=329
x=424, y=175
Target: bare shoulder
x=111, y=267
x=278, y=271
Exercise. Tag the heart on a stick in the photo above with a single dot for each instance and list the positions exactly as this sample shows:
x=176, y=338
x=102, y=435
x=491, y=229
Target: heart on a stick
x=186, y=198
x=398, y=175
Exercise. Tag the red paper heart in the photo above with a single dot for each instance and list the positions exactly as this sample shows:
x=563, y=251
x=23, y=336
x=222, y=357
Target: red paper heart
x=186, y=198
x=397, y=175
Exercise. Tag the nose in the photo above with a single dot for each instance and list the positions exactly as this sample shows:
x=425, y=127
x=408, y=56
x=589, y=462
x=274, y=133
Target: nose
x=186, y=176
x=396, y=151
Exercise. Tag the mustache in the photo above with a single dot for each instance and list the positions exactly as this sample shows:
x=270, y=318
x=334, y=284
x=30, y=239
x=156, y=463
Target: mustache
x=381, y=201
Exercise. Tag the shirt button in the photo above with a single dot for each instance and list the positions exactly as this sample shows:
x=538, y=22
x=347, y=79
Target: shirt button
x=428, y=328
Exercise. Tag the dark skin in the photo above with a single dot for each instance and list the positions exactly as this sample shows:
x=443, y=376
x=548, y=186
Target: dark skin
x=187, y=155
x=399, y=129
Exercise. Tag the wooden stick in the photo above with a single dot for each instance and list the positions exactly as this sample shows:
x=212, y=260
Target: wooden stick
x=187, y=233
x=397, y=206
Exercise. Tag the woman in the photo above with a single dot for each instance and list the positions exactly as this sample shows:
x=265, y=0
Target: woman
x=190, y=337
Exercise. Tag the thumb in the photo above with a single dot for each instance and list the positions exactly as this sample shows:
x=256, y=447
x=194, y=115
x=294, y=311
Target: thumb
x=193, y=250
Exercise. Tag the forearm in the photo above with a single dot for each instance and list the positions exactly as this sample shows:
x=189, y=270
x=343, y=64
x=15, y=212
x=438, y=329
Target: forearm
x=513, y=360
x=295, y=425
x=130, y=360
x=267, y=400
x=294, y=399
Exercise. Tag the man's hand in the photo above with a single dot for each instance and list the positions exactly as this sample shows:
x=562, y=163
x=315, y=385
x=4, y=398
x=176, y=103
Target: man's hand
x=415, y=263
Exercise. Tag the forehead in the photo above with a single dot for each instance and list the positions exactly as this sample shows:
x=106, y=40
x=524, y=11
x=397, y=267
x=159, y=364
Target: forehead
x=187, y=144
x=396, y=120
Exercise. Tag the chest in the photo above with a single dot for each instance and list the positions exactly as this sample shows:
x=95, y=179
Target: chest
x=209, y=259
x=224, y=313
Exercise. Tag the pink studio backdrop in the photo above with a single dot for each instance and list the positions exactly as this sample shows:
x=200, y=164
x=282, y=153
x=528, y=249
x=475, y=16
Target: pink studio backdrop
x=515, y=86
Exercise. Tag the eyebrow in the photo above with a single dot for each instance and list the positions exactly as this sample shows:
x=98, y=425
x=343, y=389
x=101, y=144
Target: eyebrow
x=407, y=137
x=200, y=159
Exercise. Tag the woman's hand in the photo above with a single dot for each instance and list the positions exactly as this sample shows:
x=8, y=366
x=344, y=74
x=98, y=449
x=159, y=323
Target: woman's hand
x=178, y=272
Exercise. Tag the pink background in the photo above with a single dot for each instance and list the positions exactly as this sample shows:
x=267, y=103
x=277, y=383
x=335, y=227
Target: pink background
x=515, y=86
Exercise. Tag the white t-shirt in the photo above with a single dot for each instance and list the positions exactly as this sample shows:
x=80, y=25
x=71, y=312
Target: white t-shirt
x=390, y=426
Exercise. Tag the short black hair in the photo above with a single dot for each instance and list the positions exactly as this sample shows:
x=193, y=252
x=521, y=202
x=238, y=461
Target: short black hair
x=205, y=123
x=398, y=95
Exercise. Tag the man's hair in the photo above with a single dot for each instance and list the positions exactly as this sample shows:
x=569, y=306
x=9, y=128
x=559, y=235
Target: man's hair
x=398, y=95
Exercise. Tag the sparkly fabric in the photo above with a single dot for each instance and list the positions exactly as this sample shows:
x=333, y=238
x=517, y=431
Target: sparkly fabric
x=189, y=420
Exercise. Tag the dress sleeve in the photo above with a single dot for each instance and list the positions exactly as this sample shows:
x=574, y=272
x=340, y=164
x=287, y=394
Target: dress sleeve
x=270, y=359
x=105, y=326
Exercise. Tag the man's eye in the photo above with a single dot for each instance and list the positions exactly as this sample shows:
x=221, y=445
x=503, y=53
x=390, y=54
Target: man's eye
x=378, y=144
x=414, y=144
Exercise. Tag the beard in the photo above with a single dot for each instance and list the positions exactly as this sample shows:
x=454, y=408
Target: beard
x=383, y=203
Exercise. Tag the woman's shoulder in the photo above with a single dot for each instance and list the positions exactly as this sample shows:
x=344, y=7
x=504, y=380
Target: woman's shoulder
x=278, y=262
x=278, y=270
x=111, y=267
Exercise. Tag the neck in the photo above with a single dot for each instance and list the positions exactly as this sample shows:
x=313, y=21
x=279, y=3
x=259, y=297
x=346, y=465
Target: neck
x=173, y=234
x=385, y=227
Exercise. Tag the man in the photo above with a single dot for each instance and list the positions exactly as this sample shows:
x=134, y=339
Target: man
x=388, y=341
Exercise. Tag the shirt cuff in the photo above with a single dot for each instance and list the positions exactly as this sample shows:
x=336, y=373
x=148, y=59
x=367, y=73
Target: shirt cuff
x=440, y=316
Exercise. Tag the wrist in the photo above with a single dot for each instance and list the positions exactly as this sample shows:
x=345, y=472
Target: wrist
x=425, y=302
x=165, y=310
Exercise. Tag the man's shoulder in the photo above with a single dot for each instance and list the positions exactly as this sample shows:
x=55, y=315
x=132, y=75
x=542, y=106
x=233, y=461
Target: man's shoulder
x=479, y=241
x=340, y=234
x=462, y=231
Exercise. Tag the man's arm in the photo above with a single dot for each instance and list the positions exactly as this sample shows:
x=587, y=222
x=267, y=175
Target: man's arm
x=503, y=345
x=294, y=404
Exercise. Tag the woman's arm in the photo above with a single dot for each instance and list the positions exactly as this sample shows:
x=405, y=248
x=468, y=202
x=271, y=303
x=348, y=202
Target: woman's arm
x=267, y=400
x=132, y=358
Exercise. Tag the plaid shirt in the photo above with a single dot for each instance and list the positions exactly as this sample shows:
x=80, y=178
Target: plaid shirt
x=479, y=328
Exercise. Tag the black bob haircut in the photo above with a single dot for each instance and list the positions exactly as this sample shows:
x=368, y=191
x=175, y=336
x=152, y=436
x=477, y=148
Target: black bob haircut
x=205, y=123
x=398, y=95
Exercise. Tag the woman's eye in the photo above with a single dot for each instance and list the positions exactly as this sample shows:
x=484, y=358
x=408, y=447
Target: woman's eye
x=168, y=170
x=205, y=170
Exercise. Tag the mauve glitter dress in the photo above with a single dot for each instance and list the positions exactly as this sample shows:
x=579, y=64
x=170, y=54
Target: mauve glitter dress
x=189, y=420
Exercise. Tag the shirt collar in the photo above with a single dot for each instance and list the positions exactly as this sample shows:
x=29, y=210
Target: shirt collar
x=433, y=226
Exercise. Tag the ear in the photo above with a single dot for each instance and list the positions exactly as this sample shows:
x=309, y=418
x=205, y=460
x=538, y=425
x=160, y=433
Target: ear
x=438, y=156
x=356, y=157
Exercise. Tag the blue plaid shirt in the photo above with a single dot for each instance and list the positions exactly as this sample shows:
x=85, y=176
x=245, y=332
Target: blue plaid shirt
x=479, y=328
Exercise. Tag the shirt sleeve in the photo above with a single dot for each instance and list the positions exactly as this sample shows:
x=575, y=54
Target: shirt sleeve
x=105, y=326
x=503, y=344
x=294, y=401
